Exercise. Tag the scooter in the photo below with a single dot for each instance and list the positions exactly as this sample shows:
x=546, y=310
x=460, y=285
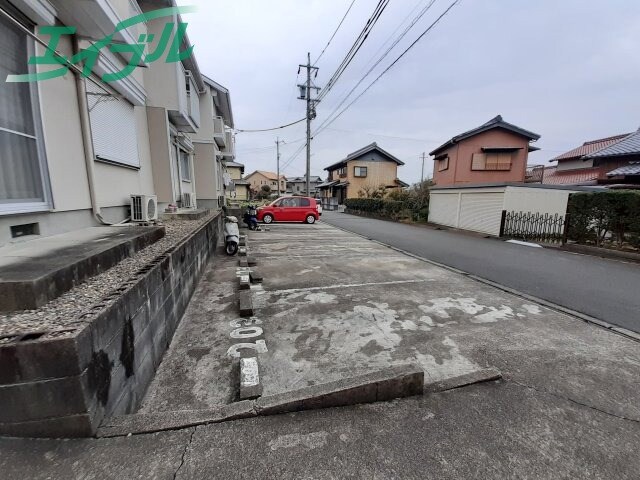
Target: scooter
x=231, y=235
x=250, y=219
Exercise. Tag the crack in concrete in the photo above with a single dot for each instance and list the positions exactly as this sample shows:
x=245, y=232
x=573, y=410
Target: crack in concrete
x=184, y=453
x=574, y=401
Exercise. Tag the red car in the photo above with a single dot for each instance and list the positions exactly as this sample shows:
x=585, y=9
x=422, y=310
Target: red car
x=290, y=209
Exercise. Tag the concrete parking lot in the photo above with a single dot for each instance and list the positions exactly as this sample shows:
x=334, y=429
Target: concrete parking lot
x=335, y=305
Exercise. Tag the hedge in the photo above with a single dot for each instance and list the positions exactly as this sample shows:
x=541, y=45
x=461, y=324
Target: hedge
x=387, y=208
x=611, y=217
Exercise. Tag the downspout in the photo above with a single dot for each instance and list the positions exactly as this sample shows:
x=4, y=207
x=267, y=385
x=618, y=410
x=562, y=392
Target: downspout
x=87, y=139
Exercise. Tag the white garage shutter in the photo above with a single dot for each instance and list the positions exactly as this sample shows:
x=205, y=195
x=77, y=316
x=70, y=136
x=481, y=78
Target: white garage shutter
x=481, y=212
x=113, y=127
x=443, y=208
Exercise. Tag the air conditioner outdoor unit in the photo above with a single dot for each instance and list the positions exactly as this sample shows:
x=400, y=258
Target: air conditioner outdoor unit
x=188, y=200
x=144, y=208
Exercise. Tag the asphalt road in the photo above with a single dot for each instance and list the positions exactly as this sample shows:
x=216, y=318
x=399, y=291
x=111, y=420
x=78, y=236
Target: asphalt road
x=608, y=290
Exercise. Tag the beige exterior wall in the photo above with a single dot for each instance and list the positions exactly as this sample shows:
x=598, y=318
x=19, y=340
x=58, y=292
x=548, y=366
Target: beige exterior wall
x=257, y=180
x=160, y=144
x=378, y=173
x=64, y=148
x=206, y=172
x=235, y=173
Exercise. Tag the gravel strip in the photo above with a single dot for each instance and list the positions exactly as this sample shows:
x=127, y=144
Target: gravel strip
x=61, y=316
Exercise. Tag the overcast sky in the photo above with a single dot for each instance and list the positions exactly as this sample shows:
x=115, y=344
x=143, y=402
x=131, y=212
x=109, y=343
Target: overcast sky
x=568, y=70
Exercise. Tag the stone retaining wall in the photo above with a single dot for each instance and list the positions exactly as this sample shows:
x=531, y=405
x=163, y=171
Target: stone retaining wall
x=65, y=387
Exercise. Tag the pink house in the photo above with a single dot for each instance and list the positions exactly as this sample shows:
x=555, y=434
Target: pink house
x=496, y=152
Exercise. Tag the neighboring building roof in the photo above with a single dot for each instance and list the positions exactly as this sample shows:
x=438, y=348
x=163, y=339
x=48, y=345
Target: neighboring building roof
x=577, y=188
x=222, y=100
x=588, y=148
x=496, y=122
x=583, y=176
x=241, y=182
x=632, y=169
x=328, y=184
x=401, y=183
x=364, y=151
x=312, y=179
x=234, y=164
x=630, y=145
x=269, y=175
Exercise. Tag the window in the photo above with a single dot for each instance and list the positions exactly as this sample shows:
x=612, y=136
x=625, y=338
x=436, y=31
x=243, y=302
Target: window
x=342, y=171
x=185, y=166
x=442, y=163
x=22, y=163
x=304, y=202
x=298, y=188
x=360, y=171
x=491, y=161
x=113, y=127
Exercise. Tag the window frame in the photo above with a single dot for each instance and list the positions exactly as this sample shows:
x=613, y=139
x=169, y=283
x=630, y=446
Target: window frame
x=485, y=158
x=181, y=152
x=355, y=170
x=19, y=207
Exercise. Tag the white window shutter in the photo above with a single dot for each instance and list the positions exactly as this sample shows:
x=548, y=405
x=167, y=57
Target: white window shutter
x=113, y=127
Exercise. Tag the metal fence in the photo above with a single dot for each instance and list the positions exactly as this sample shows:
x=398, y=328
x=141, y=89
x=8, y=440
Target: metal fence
x=537, y=227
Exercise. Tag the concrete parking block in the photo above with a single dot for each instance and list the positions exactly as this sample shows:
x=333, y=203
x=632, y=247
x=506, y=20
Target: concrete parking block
x=245, y=303
x=243, y=263
x=252, y=261
x=245, y=282
x=256, y=277
x=242, y=251
x=250, y=386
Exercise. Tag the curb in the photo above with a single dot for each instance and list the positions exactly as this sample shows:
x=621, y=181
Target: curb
x=553, y=306
x=387, y=384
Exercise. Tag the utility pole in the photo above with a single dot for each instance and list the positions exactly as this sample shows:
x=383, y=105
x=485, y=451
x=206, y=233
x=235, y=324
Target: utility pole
x=305, y=94
x=278, y=142
x=422, y=176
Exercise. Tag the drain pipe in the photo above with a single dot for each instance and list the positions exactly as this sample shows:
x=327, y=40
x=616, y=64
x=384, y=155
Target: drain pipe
x=87, y=139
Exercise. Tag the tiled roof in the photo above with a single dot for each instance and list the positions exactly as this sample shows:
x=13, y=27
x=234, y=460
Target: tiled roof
x=631, y=169
x=496, y=122
x=627, y=146
x=589, y=147
x=269, y=175
x=586, y=176
x=312, y=179
x=363, y=151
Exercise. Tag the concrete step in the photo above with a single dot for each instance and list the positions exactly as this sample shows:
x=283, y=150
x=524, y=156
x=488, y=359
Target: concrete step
x=34, y=273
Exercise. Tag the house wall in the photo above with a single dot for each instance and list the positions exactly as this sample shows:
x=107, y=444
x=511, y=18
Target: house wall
x=160, y=144
x=206, y=174
x=461, y=154
x=235, y=173
x=66, y=167
x=379, y=172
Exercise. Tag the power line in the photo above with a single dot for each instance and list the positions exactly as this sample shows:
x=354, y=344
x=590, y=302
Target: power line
x=383, y=56
x=334, y=33
x=437, y=20
x=357, y=44
x=270, y=129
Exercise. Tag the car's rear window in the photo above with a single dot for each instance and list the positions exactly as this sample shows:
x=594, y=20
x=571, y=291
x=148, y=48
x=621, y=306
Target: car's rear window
x=304, y=202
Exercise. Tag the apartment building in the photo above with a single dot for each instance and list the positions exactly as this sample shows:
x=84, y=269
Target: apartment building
x=74, y=149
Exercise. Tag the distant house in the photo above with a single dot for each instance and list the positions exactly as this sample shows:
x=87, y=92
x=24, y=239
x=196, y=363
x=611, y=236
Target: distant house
x=260, y=177
x=606, y=161
x=298, y=185
x=494, y=152
x=367, y=168
x=239, y=188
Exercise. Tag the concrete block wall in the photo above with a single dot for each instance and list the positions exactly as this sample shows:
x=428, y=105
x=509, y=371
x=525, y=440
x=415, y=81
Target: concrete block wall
x=65, y=387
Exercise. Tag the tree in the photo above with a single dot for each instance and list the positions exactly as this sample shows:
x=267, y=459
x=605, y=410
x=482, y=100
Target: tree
x=264, y=192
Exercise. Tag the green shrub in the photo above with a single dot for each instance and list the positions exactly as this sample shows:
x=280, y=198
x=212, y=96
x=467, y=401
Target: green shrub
x=601, y=217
